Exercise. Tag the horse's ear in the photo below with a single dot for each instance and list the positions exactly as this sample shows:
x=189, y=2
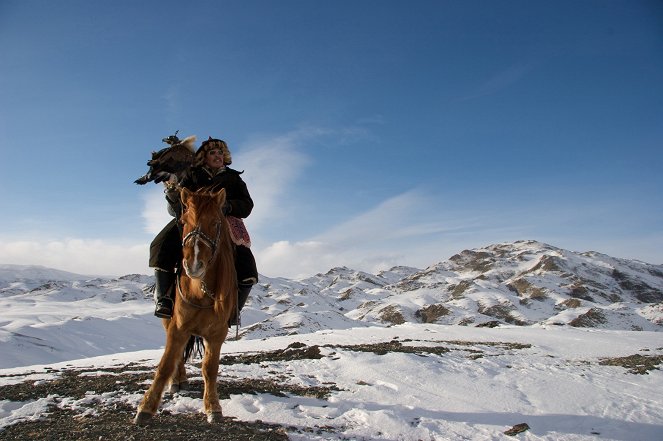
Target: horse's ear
x=220, y=197
x=185, y=194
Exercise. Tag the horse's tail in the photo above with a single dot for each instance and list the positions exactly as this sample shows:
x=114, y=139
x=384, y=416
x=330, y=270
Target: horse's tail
x=195, y=346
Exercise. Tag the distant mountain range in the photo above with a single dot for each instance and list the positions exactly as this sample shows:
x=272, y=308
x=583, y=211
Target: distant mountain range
x=524, y=283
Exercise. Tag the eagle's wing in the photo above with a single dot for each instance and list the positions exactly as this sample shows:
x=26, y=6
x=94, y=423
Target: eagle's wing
x=176, y=159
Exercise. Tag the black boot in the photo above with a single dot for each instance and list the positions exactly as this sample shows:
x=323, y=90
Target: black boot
x=163, y=293
x=242, y=295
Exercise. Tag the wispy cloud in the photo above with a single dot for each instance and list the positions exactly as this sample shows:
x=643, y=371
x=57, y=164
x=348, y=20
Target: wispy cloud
x=499, y=81
x=395, y=232
x=412, y=228
x=416, y=228
x=272, y=167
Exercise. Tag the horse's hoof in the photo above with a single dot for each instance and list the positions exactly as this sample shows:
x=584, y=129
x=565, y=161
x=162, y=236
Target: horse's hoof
x=142, y=418
x=215, y=417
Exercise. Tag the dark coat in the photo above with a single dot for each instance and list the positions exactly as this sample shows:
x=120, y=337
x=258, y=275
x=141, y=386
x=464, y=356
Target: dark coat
x=238, y=199
x=166, y=248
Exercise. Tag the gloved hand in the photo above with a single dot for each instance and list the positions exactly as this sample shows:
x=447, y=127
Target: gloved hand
x=172, y=192
x=171, y=183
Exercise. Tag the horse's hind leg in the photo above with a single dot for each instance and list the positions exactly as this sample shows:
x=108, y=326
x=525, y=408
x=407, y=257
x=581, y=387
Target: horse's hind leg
x=179, y=381
x=172, y=354
x=210, y=370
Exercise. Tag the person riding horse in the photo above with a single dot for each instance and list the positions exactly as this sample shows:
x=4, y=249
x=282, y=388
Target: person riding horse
x=209, y=171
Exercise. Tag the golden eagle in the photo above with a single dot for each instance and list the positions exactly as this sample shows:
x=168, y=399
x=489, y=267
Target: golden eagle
x=175, y=159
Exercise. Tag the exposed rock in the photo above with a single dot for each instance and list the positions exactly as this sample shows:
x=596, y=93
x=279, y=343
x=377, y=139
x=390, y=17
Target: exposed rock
x=643, y=292
x=391, y=314
x=570, y=303
x=590, y=319
x=431, y=313
x=548, y=263
x=458, y=291
x=480, y=261
x=502, y=312
x=580, y=292
x=525, y=288
x=490, y=324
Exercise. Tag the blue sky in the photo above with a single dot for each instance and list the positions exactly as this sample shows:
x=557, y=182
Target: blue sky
x=372, y=133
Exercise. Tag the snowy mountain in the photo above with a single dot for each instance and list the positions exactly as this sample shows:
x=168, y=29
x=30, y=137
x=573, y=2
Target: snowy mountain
x=522, y=283
x=51, y=316
x=470, y=348
x=527, y=283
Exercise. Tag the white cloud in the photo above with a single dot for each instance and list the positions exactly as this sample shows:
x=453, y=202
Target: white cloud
x=272, y=166
x=306, y=258
x=411, y=228
x=155, y=211
x=81, y=256
x=500, y=81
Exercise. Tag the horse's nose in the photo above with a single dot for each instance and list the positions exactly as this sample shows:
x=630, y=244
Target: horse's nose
x=194, y=270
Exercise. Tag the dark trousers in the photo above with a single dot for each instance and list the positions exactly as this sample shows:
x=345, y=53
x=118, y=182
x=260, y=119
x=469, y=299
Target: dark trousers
x=166, y=254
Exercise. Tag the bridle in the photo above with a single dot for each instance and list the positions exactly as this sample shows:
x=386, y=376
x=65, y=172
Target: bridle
x=212, y=244
x=204, y=238
x=197, y=233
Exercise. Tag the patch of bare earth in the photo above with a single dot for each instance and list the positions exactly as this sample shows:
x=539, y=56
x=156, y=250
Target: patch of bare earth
x=636, y=364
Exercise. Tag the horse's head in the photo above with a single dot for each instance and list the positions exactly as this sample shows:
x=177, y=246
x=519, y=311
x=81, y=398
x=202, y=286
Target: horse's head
x=202, y=226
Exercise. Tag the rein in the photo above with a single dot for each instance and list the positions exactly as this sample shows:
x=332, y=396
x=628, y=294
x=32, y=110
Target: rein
x=213, y=246
x=189, y=302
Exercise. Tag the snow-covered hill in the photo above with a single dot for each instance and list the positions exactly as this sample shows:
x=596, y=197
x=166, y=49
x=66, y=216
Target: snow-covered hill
x=523, y=283
x=53, y=316
x=49, y=315
x=33, y=273
x=465, y=349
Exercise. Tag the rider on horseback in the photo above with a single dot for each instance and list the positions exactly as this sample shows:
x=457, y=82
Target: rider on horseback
x=210, y=171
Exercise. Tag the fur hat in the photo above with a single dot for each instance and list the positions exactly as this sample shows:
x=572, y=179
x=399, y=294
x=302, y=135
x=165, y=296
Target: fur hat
x=213, y=144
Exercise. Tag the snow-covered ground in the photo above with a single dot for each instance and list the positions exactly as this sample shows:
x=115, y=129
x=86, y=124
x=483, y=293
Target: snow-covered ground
x=481, y=387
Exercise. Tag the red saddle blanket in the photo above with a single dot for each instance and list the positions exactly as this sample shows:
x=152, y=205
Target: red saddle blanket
x=238, y=231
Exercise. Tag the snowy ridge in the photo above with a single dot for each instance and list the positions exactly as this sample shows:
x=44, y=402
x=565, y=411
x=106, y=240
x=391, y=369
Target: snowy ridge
x=523, y=283
x=49, y=315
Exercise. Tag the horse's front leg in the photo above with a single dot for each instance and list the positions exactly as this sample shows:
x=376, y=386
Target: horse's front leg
x=175, y=342
x=178, y=381
x=210, y=370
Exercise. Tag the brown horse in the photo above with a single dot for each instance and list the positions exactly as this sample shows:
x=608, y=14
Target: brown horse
x=206, y=298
